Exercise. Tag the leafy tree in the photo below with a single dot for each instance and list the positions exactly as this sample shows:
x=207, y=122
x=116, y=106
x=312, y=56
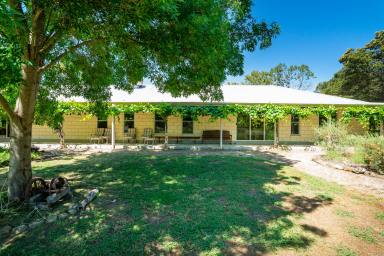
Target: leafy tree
x=301, y=76
x=259, y=78
x=79, y=48
x=294, y=76
x=362, y=74
x=333, y=86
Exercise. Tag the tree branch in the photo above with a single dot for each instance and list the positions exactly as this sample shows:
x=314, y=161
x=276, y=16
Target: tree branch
x=49, y=42
x=7, y=108
x=70, y=49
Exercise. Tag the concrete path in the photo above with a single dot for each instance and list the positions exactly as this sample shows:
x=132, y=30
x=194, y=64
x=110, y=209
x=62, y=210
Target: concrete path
x=302, y=160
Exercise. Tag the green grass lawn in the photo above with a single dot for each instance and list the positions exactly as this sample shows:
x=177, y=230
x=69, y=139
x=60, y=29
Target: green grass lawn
x=4, y=156
x=208, y=204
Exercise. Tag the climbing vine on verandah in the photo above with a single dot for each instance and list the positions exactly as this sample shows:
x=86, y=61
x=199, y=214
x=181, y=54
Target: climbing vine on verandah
x=364, y=115
x=269, y=112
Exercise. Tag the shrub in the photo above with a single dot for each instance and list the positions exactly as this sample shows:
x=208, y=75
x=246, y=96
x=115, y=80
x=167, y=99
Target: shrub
x=359, y=149
x=331, y=135
x=373, y=153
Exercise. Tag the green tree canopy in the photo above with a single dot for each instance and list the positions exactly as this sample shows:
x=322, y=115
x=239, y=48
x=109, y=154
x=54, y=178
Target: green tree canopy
x=362, y=74
x=81, y=48
x=295, y=76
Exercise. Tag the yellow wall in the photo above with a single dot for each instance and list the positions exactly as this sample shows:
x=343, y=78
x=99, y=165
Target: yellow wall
x=354, y=126
x=203, y=123
x=307, y=128
x=142, y=121
x=75, y=128
x=174, y=125
x=43, y=132
x=80, y=128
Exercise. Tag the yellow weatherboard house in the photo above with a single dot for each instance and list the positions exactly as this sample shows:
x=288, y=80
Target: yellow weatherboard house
x=142, y=127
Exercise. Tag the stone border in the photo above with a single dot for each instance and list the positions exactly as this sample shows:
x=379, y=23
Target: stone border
x=73, y=209
x=354, y=168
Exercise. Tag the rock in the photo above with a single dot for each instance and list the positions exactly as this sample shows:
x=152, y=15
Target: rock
x=35, y=224
x=358, y=170
x=348, y=168
x=57, y=196
x=91, y=195
x=20, y=229
x=51, y=218
x=5, y=230
x=63, y=216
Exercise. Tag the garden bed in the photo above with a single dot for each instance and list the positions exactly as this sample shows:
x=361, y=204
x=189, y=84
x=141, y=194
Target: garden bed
x=346, y=166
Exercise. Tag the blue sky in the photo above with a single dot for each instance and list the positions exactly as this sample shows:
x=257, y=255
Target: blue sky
x=315, y=33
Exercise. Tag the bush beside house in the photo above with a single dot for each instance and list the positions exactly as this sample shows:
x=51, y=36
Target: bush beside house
x=351, y=149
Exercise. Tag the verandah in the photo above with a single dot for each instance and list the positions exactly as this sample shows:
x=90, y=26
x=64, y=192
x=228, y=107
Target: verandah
x=255, y=122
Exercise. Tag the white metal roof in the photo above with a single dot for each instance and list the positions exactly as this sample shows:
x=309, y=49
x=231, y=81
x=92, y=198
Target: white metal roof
x=241, y=94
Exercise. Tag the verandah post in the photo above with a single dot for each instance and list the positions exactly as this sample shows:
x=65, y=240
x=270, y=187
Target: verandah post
x=113, y=135
x=276, y=137
x=221, y=134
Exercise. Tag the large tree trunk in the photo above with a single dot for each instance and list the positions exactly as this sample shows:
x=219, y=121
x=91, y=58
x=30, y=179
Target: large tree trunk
x=20, y=170
x=32, y=36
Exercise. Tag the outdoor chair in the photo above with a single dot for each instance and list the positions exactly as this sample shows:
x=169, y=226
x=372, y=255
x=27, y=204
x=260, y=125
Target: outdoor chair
x=97, y=137
x=129, y=136
x=148, y=136
x=107, y=135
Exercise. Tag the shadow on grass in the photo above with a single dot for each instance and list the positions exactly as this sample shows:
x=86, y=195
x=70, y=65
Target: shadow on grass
x=172, y=203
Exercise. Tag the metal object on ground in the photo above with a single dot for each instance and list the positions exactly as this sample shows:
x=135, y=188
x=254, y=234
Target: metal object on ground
x=42, y=189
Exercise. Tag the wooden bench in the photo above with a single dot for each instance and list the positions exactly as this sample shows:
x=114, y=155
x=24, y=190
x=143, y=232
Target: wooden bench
x=214, y=136
x=177, y=139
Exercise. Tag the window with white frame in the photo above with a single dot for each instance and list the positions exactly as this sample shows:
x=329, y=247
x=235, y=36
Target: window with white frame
x=129, y=121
